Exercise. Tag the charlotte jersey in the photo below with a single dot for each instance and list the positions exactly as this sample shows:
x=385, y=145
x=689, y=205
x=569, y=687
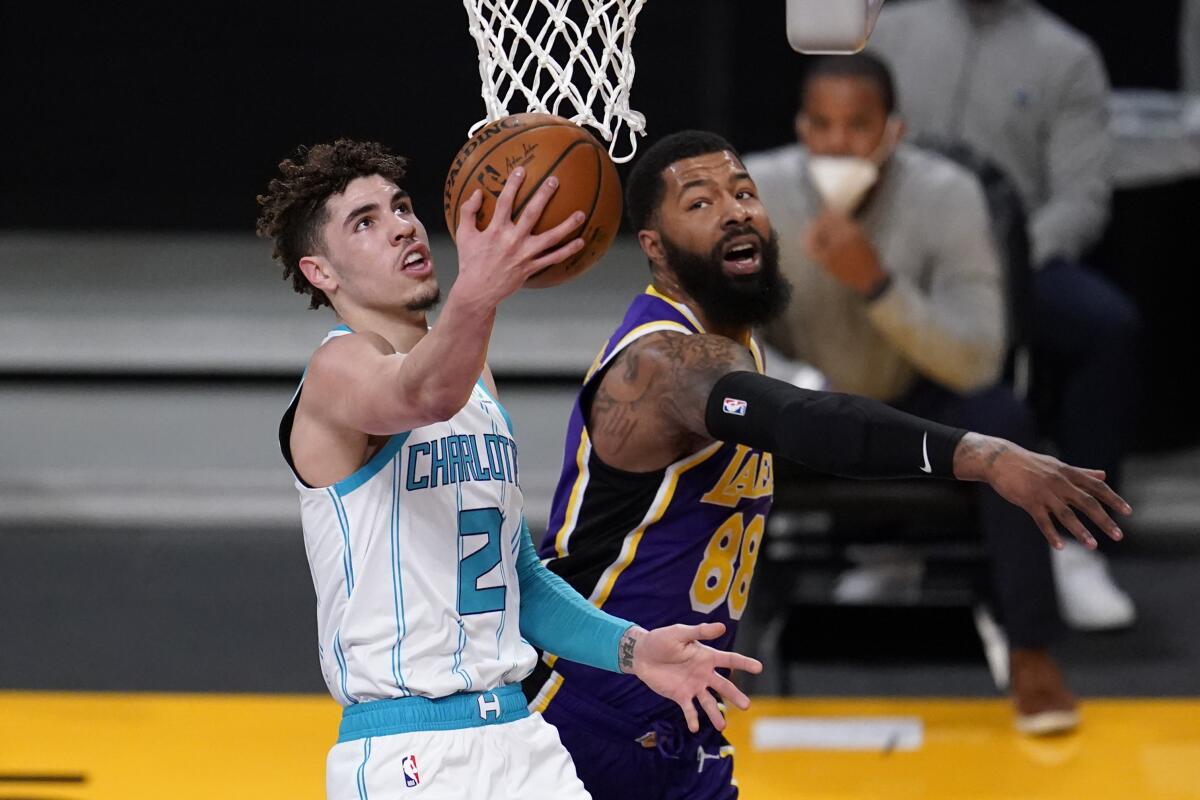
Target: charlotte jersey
x=675, y=546
x=413, y=559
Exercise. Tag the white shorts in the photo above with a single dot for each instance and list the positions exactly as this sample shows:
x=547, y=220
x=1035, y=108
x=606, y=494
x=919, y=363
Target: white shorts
x=519, y=759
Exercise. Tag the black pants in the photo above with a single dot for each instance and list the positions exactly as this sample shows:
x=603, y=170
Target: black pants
x=1022, y=581
x=1085, y=340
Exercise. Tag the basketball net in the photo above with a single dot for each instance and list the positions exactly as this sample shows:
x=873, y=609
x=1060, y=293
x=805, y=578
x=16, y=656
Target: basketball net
x=570, y=58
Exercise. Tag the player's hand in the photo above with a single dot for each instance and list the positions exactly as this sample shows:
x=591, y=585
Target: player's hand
x=840, y=246
x=496, y=261
x=673, y=662
x=1045, y=487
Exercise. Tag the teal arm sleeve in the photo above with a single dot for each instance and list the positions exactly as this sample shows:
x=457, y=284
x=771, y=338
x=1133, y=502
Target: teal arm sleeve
x=556, y=618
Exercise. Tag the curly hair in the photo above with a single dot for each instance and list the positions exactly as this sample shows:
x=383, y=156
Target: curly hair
x=293, y=209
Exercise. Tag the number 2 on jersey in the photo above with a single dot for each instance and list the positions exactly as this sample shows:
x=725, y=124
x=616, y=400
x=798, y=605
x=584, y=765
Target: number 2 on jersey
x=728, y=566
x=472, y=599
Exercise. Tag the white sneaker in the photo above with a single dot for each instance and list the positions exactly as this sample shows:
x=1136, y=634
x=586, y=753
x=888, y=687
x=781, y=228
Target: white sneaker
x=883, y=575
x=1088, y=598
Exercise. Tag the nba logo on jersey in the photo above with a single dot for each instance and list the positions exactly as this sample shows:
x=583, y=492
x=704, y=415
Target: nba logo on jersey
x=735, y=407
x=409, y=765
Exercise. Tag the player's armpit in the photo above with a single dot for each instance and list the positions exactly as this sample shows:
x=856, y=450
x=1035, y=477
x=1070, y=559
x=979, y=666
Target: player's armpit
x=649, y=409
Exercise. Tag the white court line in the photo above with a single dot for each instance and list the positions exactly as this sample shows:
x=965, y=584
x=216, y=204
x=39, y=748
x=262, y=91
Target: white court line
x=875, y=734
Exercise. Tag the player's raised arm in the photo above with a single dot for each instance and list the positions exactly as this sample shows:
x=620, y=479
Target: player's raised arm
x=364, y=385
x=692, y=390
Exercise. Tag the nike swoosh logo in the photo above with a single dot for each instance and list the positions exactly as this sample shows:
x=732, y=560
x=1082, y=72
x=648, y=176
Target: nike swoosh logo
x=925, y=452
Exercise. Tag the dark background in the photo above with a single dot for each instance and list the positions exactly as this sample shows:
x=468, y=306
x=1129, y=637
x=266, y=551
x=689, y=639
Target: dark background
x=161, y=116
x=157, y=117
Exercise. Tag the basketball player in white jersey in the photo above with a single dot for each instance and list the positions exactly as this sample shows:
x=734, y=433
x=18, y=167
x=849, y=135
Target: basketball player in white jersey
x=429, y=594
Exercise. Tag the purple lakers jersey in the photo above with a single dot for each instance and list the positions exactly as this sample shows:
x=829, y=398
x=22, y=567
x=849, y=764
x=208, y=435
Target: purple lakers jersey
x=674, y=546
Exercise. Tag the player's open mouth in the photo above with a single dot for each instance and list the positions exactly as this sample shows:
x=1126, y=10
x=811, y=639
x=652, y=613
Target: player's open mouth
x=742, y=255
x=416, y=260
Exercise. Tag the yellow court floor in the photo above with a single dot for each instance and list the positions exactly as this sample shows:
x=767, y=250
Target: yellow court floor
x=67, y=746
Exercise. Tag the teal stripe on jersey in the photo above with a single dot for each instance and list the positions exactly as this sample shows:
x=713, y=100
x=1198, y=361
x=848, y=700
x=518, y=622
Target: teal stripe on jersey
x=347, y=556
x=340, y=655
x=462, y=643
x=369, y=470
x=397, y=581
x=503, y=411
x=462, y=634
x=504, y=610
x=362, y=770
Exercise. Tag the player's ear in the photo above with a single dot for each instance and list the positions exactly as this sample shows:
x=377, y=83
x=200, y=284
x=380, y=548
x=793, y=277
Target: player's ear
x=319, y=273
x=651, y=244
x=801, y=125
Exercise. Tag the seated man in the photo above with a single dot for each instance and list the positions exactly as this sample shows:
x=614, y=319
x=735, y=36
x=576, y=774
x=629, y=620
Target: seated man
x=898, y=297
x=1030, y=94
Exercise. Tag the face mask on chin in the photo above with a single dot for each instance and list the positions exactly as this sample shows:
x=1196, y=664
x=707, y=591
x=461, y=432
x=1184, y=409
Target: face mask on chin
x=843, y=181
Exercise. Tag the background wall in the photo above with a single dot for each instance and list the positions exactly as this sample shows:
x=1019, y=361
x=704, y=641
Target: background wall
x=153, y=116
x=147, y=346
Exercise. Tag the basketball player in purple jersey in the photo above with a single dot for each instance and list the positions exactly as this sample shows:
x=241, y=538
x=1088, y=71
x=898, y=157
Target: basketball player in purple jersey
x=667, y=480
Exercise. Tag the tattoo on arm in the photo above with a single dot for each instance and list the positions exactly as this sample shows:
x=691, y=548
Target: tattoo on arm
x=625, y=652
x=996, y=453
x=613, y=414
x=976, y=454
x=661, y=383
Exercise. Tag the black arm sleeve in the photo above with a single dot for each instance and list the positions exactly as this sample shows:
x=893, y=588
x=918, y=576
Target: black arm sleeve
x=841, y=434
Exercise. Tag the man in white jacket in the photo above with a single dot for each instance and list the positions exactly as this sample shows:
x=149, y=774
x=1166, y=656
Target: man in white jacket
x=898, y=296
x=1026, y=91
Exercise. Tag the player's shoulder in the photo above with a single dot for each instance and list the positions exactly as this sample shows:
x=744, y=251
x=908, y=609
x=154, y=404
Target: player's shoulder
x=341, y=356
x=668, y=352
x=654, y=344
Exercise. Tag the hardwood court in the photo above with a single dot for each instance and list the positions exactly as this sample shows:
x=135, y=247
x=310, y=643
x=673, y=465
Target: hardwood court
x=74, y=746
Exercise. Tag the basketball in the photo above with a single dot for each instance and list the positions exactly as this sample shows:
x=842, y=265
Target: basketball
x=544, y=145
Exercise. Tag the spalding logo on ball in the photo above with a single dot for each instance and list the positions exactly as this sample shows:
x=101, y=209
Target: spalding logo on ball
x=544, y=145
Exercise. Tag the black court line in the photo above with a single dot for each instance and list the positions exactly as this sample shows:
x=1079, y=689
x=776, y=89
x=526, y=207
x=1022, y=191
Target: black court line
x=18, y=777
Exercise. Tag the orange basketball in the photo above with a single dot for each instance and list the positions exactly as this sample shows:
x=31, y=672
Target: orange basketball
x=544, y=145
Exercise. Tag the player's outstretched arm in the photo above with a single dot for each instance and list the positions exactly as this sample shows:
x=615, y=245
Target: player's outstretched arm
x=674, y=662
x=671, y=394
x=861, y=438
x=1045, y=487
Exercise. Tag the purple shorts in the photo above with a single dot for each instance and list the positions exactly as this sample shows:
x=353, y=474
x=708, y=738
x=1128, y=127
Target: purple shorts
x=619, y=757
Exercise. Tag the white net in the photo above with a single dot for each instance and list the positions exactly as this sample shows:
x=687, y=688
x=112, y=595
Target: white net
x=571, y=58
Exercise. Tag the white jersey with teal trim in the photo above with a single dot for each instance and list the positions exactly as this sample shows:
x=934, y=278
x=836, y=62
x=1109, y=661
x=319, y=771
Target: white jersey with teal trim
x=413, y=559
